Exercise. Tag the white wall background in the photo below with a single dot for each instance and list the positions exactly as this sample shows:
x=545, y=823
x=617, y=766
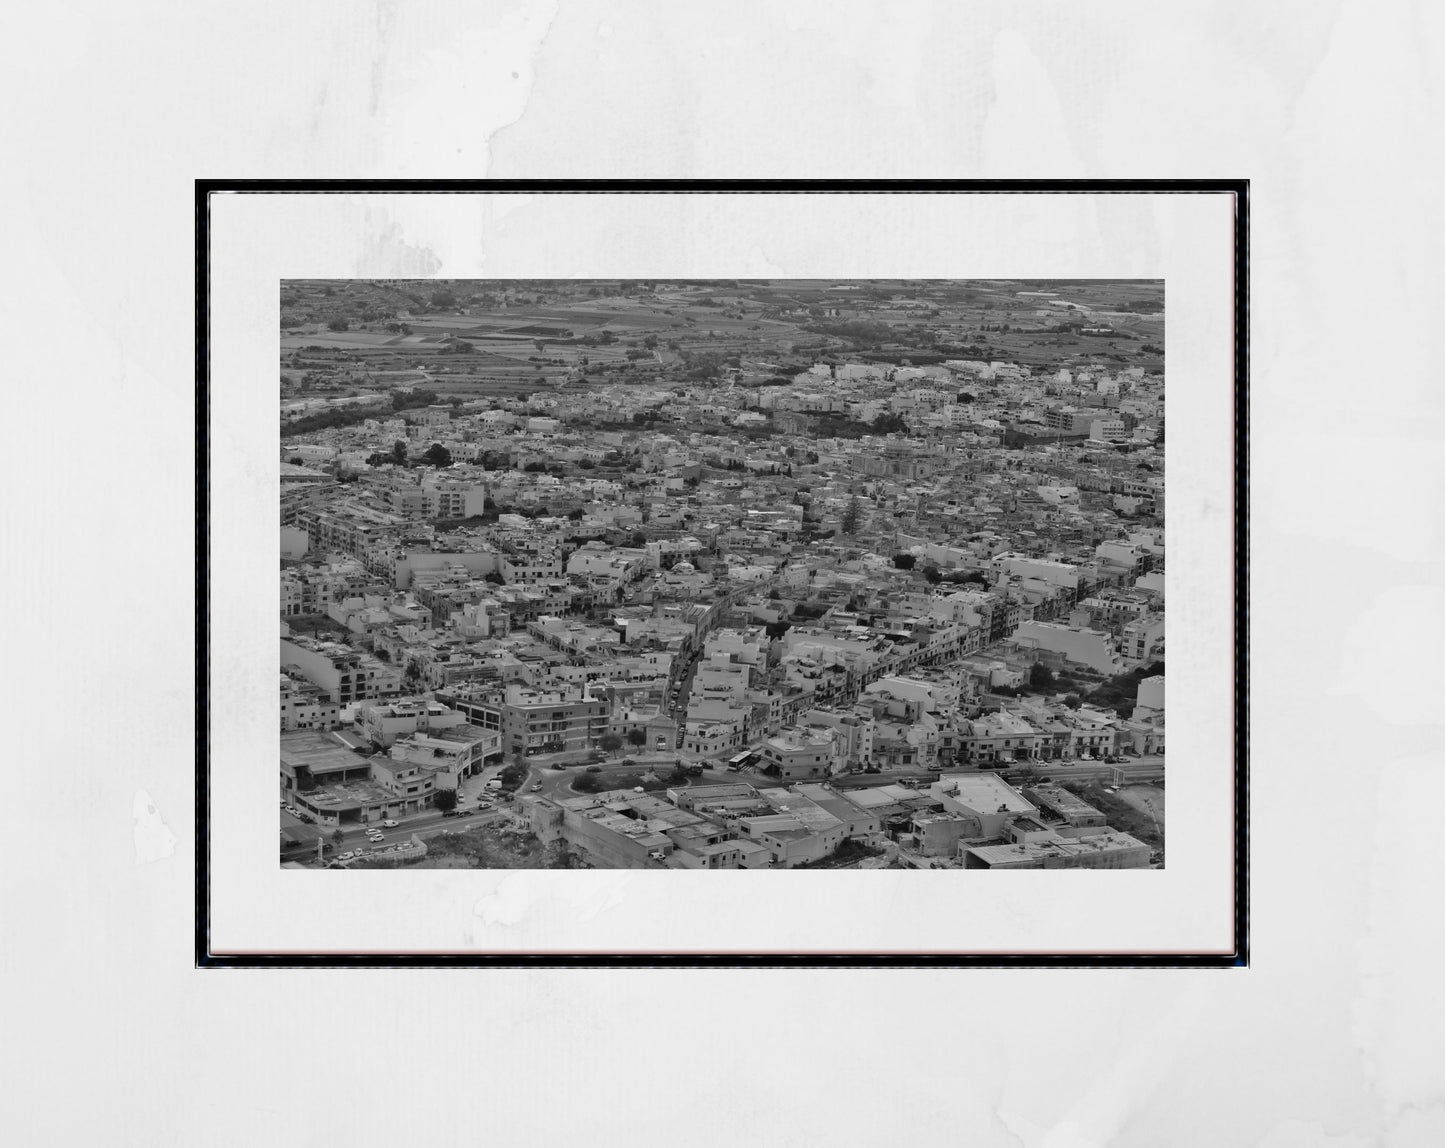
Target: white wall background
x=1331, y=108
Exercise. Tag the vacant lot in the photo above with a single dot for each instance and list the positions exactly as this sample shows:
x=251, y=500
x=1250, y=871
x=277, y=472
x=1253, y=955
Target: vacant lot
x=489, y=847
x=1123, y=815
x=1147, y=799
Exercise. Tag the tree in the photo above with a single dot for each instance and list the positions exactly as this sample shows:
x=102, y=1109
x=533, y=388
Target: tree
x=443, y=300
x=412, y=677
x=1073, y=701
x=851, y=515
x=904, y=561
x=964, y=579
x=438, y=455
x=513, y=775
x=445, y=799
x=637, y=737
x=560, y=855
x=296, y=460
x=338, y=325
x=398, y=453
x=1040, y=676
x=609, y=742
x=586, y=783
x=933, y=574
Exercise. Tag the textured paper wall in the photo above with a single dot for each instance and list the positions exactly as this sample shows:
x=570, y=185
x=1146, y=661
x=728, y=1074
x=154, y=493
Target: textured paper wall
x=1332, y=109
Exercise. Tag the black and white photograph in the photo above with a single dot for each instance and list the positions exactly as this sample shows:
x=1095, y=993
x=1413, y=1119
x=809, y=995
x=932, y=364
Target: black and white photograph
x=722, y=574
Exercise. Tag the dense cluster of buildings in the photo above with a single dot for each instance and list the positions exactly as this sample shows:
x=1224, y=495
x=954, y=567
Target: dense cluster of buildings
x=963, y=820
x=747, y=567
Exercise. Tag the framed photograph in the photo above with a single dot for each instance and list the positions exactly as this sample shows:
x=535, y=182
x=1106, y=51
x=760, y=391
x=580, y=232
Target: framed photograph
x=721, y=573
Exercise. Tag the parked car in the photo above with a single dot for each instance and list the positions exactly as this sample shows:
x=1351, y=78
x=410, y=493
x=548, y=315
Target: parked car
x=306, y=819
x=451, y=812
x=594, y=769
x=537, y=787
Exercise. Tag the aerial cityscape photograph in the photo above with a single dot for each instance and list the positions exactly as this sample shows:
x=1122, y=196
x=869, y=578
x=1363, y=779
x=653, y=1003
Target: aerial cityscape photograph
x=722, y=574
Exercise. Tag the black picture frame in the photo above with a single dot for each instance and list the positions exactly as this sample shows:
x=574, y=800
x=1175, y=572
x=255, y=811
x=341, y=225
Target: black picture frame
x=205, y=189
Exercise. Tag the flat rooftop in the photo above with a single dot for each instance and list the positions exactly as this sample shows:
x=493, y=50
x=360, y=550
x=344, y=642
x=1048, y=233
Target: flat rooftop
x=983, y=792
x=1109, y=842
x=317, y=751
x=715, y=792
x=347, y=795
x=813, y=816
x=1061, y=799
x=879, y=796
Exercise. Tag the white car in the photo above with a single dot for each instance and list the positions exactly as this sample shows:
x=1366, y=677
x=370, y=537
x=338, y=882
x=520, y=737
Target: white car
x=347, y=856
x=389, y=824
